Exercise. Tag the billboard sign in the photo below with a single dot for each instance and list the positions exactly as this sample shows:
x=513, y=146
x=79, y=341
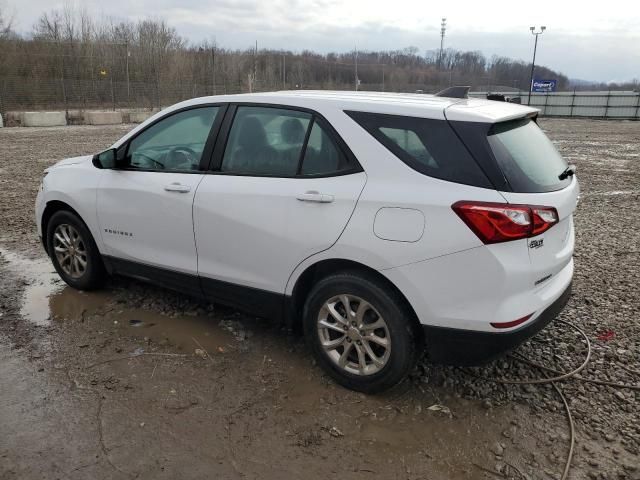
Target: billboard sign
x=544, y=85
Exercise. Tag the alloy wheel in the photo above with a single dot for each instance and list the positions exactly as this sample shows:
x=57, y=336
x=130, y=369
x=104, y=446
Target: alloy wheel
x=70, y=250
x=354, y=335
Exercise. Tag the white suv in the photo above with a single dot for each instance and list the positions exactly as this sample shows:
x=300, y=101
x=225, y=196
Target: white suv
x=379, y=223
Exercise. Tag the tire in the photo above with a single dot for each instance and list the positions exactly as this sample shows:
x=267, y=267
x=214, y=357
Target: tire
x=65, y=225
x=380, y=303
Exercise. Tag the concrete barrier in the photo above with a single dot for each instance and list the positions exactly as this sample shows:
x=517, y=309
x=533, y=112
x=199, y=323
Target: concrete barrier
x=75, y=117
x=103, y=118
x=43, y=119
x=139, y=117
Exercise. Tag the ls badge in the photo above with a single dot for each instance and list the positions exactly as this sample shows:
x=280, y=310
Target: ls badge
x=536, y=243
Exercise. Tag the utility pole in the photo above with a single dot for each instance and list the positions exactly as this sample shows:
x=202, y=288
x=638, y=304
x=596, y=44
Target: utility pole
x=383, y=77
x=533, y=62
x=213, y=66
x=255, y=63
x=284, y=72
x=356, y=68
x=443, y=30
x=127, y=68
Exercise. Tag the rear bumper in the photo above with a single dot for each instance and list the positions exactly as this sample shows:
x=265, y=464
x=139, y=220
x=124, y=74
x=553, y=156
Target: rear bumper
x=468, y=347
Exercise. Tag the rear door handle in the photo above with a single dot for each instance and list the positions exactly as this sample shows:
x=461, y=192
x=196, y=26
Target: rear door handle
x=177, y=187
x=316, y=197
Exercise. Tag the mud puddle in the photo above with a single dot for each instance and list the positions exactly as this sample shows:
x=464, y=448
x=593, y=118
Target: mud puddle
x=40, y=281
x=181, y=333
x=208, y=383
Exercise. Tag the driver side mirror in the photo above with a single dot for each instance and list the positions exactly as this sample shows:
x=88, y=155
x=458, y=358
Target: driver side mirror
x=106, y=159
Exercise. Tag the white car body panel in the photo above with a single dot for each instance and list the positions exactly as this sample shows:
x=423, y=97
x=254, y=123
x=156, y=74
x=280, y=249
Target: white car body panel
x=141, y=221
x=73, y=181
x=253, y=232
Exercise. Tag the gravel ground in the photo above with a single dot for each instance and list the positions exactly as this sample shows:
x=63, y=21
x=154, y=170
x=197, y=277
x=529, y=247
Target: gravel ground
x=137, y=382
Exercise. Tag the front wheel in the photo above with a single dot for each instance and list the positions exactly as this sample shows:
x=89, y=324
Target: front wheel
x=360, y=332
x=73, y=252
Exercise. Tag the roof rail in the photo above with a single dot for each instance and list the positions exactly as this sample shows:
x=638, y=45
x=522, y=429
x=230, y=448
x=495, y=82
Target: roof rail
x=454, y=92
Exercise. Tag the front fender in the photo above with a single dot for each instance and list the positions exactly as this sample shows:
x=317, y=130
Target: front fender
x=76, y=187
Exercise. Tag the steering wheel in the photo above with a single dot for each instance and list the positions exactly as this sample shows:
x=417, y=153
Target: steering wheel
x=190, y=156
x=158, y=165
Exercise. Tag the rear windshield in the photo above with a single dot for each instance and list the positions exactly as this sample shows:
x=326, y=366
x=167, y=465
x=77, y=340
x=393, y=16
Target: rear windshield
x=527, y=158
x=427, y=145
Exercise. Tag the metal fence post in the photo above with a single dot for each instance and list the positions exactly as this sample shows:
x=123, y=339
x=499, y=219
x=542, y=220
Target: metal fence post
x=606, y=107
x=546, y=100
x=637, y=105
x=573, y=101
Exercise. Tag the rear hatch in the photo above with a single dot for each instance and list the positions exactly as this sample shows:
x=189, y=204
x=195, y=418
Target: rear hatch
x=525, y=167
x=532, y=167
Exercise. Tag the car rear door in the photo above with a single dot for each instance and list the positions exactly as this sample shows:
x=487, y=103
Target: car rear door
x=282, y=187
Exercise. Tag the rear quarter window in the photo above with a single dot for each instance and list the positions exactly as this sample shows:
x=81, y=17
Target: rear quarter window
x=429, y=146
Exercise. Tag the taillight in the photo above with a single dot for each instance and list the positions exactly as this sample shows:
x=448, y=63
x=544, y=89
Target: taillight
x=502, y=222
x=543, y=219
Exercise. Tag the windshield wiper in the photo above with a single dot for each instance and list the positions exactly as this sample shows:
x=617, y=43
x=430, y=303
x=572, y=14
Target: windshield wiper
x=567, y=172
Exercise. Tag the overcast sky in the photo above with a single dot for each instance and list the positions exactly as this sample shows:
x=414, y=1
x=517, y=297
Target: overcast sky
x=584, y=39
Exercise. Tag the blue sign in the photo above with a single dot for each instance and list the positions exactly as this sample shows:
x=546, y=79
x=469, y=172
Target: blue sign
x=544, y=85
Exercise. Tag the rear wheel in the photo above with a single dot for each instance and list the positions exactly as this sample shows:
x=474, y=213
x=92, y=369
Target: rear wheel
x=73, y=252
x=360, y=332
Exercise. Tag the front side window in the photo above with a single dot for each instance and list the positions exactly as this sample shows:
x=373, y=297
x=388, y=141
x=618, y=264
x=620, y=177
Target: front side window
x=175, y=143
x=266, y=141
x=429, y=146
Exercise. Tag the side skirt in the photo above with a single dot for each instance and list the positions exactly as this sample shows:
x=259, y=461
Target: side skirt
x=261, y=303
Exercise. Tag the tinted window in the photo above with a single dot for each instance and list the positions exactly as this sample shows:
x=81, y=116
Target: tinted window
x=429, y=146
x=526, y=156
x=322, y=156
x=175, y=143
x=266, y=141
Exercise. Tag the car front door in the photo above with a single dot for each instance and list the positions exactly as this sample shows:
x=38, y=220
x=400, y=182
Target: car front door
x=144, y=206
x=283, y=188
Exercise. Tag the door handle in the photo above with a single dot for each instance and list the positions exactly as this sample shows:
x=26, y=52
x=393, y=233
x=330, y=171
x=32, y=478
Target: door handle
x=317, y=197
x=177, y=187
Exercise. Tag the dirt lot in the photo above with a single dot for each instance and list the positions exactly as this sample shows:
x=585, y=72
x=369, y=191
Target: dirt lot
x=138, y=382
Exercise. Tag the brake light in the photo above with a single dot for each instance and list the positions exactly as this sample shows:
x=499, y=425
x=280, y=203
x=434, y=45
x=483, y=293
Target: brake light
x=503, y=222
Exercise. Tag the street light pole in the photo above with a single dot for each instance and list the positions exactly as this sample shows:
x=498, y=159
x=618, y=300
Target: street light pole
x=533, y=63
x=443, y=30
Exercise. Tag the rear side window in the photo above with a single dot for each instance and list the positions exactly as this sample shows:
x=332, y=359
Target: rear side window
x=266, y=141
x=429, y=146
x=527, y=158
x=279, y=142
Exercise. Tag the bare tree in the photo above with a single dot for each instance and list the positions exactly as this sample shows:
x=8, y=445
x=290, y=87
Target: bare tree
x=74, y=60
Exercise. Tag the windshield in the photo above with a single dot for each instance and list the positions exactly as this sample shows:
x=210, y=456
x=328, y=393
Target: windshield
x=528, y=159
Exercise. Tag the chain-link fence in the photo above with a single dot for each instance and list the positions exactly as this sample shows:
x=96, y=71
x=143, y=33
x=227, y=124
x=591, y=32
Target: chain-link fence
x=19, y=93
x=26, y=93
